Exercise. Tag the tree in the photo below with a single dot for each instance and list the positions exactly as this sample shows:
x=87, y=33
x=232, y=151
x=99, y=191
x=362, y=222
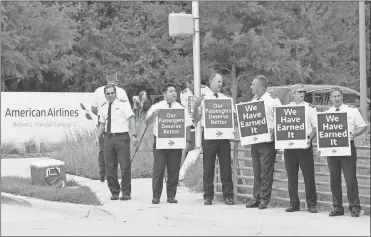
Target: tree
x=37, y=39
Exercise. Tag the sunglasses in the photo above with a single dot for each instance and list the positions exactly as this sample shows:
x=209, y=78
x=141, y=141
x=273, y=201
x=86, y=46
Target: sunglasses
x=301, y=92
x=112, y=93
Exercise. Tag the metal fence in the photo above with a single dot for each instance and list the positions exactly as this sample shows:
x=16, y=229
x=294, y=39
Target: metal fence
x=242, y=172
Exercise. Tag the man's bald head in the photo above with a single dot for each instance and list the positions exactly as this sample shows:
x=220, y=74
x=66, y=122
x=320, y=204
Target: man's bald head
x=216, y=82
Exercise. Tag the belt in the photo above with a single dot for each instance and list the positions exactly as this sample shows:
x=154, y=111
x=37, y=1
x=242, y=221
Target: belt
x=116, y=134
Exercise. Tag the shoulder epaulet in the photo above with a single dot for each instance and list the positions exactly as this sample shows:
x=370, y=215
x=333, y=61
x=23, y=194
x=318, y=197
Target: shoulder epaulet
x=273, y=96
x=312, y=106
x=351, y=106
x=104, y=104
x=122, y=100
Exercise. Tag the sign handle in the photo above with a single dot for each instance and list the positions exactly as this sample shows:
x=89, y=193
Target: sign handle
x=140, y=141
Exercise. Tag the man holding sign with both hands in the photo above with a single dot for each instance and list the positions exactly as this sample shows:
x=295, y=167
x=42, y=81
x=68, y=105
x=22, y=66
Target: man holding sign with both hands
x=302, y=157
x=336, y=163
x=218, y=127
x=169, y=130
x=263, y=153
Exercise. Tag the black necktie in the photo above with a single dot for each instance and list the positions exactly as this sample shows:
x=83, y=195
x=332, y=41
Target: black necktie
x=169, y=105
x=337, y=109
x=216, y=95
x=109, y=119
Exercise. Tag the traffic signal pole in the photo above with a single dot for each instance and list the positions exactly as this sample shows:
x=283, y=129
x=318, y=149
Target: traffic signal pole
x=197, y=64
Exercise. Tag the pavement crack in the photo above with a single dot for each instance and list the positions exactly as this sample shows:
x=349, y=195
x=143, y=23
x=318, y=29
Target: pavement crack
x=261, y=229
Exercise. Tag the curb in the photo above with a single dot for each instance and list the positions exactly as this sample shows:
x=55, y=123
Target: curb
x=76, y=210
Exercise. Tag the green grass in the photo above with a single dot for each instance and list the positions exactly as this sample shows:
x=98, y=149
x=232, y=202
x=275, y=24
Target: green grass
x=72, y=193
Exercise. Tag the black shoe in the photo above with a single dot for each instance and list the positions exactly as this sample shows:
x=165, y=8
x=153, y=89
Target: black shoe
x=292, y=209
x=354, y=213
x=263, y=205
x=252, y=203
x=172, y=200
x=155, y=200
x=102, y=178
x=115, y=197
x=336, y=213
x=125, y=197
x=229, y=201
x=208, y=202
x=312, y=209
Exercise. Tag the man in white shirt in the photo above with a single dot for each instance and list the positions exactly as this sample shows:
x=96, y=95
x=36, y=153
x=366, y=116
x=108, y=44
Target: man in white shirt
x=348, y=164
x=302, y=157
x=169, y=158
x=263, y=154
x=116, y=118
x=98, y=100
x=212, y=148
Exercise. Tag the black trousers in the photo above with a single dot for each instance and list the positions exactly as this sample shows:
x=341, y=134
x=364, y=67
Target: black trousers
x=169, y=158
x=263, y=160
x=117, y=150
x=348, y=165
x=212, y=148
x=101, y=160
x=303, y=158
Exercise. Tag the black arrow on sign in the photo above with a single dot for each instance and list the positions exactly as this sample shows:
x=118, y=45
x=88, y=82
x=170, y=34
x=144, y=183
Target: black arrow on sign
x=255, y=138
x=171, y=143
x=218, y=133
x=333, y=151
x=291, y=143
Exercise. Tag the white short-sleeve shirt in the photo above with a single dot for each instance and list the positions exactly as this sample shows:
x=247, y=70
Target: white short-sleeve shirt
x=120, y=113
x=354, y=116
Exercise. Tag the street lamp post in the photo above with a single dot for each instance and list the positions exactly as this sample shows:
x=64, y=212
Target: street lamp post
x=362, y=59
x=197, y=64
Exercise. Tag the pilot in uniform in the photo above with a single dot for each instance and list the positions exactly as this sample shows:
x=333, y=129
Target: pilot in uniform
x=302, y=157
x=348, y=164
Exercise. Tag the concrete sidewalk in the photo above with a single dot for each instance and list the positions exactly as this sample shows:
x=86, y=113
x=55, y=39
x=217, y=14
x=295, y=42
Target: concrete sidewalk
x=189, y=217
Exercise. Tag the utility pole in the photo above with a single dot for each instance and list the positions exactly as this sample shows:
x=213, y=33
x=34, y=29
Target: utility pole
x=362, y=60
x=197, y=64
